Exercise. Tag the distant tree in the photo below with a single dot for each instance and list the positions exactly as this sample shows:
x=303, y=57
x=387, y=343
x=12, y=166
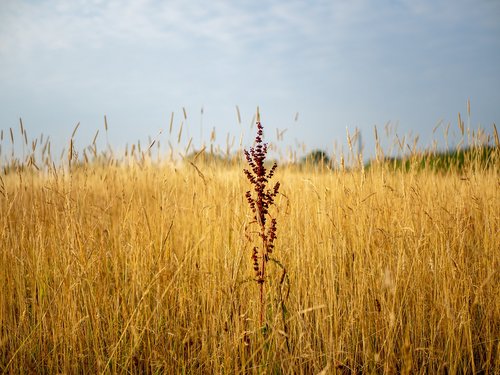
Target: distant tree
x=317, y=157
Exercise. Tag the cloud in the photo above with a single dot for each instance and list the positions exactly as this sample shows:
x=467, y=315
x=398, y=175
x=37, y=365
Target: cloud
x=58, y=24
x=55, y=25
x=51, y=25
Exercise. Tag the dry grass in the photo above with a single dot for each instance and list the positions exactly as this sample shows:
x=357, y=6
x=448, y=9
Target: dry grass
x=114, y=269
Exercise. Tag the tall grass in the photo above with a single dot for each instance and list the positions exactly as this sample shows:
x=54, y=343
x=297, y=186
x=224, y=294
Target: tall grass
x=111, y=267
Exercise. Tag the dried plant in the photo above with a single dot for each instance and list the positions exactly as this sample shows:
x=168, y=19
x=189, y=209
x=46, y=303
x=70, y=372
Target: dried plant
x=260, y=202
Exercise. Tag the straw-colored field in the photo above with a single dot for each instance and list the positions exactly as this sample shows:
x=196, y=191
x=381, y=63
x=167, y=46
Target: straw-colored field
x=109, y=269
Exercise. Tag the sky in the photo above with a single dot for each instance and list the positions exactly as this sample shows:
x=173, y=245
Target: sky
x=315, y=68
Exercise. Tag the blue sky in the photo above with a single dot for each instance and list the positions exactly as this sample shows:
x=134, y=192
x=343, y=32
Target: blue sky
x=339, y=64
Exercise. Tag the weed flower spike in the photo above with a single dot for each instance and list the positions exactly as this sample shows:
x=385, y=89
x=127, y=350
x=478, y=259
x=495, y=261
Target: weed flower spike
x=260, y=202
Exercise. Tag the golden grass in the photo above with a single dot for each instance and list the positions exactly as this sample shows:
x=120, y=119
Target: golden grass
x=133, y=270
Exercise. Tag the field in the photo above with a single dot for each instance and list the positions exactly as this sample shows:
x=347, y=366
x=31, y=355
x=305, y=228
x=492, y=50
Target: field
x=115, y=267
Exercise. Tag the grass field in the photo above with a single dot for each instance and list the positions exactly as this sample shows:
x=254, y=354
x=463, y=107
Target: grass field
x=134, y=268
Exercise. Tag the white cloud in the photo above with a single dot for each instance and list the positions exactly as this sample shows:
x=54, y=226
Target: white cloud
x=60, y=24
x=50, y=25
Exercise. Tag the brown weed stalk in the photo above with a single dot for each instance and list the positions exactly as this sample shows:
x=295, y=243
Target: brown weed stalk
x=260, y=202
